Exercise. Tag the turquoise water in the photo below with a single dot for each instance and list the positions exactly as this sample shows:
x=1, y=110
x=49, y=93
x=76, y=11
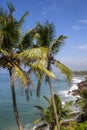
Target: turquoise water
x=27, y=111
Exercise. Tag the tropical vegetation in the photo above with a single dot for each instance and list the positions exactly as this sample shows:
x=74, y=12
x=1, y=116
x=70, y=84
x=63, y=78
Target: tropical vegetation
x=47, y=114
x=15, y=51
x=36, y=49
x=81, y=102
x=45, y=37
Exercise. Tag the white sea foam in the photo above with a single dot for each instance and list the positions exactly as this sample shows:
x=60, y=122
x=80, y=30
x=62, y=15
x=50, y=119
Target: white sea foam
x=68, y=93
x=76, y=80
x=28, y=127
x=64, y=93
x=73, y=87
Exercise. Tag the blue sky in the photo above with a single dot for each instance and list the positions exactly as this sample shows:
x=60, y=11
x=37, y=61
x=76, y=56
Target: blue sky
x=70, y=19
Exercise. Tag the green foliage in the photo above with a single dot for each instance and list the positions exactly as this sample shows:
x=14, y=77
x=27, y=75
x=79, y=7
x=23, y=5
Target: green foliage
x=47, y=114
x=20, y=74
x=34, y=54
x=40, y=68
x=64, y=70
x=45, y=34
x=82, y=100
x=45, y=37
x=57, y=44
x=75, y=126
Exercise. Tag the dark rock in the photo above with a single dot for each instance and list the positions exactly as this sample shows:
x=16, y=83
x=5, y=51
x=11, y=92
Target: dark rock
x=82, y=85
x=75, y=92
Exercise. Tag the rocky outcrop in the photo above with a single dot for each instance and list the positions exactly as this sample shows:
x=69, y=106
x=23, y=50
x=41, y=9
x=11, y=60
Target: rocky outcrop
x=82, y=85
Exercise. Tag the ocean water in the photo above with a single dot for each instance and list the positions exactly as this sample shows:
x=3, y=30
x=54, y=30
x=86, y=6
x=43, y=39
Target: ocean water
x=27, y=111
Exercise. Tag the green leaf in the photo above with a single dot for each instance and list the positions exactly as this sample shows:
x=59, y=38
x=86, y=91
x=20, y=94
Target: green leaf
x=40, y=67
x=34, y=54
x=22, y=18
x=10, y=7
x=4, y=52
x=22, y=76
x=57, y=44
x=64, y=70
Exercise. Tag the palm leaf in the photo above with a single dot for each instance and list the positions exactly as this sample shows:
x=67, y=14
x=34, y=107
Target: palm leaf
x=10, y=7
x=26, y=41
x=44, y=34
x=39, y=107
x=64, y=70
x=39, y=76
x=24, y=79
x=42, y=69
x=57, y=44
x=22, y=76
x=4, y=52
x=3, y=13
x=34, y=53
x=47, y=99
x=51, y=30
x=68, y=104
x=22, y=18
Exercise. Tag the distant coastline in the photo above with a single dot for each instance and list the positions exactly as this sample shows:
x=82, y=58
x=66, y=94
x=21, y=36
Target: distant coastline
x=80, y=73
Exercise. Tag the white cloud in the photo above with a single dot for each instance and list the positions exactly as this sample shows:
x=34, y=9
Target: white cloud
x=46, y=8
x=79, y=28
x=84, y=21
x=83, y=47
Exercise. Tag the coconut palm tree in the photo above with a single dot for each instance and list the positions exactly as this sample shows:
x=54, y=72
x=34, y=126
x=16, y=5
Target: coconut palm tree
x=47, y=114
x=9, y=45
x=45, y=37
x=12, y=46
x=81, y=102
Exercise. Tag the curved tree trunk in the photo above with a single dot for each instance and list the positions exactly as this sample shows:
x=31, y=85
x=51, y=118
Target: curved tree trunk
x=14, y=101
x=54, y=105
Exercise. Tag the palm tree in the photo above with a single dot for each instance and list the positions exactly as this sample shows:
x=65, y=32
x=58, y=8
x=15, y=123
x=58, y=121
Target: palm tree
x=81, y=102
x=9, y=40
x=45, y=37
x=13, y=47
x=47, y=114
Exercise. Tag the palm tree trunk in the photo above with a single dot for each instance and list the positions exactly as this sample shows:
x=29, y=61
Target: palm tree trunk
x=54, y=105
x=14, y=101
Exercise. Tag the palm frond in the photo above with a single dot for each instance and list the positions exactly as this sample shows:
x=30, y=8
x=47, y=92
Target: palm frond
x=22, y=18
x=44, y=34
x=34, y=53
x=22, y=76
x=4, y=52
x=83, y=93
x=10, y=7
x=24, y=79
x=80, y=102
x=51, y=30
x=57, y=44
x=48, y=100
x=68, y=104
x=43, y=70
x=27, y=40
x=39, y=76
x=39, y=107
x=3, y=13
x=64, y=70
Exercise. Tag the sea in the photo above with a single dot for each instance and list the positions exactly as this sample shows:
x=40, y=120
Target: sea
x=27, y=111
